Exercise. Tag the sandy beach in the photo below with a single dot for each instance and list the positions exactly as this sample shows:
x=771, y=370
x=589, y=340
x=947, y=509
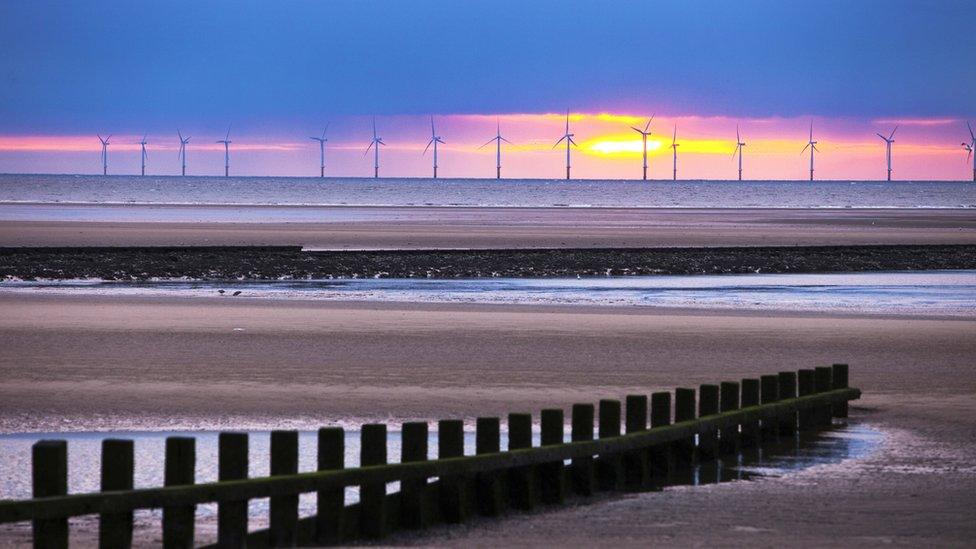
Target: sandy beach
x=99, y=363
x=425, y=228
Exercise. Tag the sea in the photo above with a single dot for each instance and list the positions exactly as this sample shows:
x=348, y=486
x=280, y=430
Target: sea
x=516, y=193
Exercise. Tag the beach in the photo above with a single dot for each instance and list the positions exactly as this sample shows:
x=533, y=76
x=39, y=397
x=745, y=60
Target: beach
x=418, y=227
x=84, y=363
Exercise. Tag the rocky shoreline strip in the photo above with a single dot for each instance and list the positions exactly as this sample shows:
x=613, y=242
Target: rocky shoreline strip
x=291, y=262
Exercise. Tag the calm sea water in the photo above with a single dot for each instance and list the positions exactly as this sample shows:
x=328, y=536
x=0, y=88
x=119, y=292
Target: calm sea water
x=482, y=192
x=924, y=293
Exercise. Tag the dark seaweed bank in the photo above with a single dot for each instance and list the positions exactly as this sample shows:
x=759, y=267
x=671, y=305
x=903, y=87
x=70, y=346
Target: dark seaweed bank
x=272, y=263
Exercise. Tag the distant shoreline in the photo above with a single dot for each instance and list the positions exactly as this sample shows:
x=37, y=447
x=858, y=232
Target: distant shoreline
x=266, y=263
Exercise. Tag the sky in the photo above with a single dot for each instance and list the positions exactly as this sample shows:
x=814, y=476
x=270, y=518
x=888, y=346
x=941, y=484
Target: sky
x=277, y=73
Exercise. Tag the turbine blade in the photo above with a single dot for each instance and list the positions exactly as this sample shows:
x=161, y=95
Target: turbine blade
x=805, y=148
x=560, y=141
x=371, y=143
x=427, y=147
x=505, y=140
x=971, y=134
x=737, y=138
x=490, y=141
x=893, y=132
x=675, y=136
x=636, y=130
x=326, y=129
x=881, y=136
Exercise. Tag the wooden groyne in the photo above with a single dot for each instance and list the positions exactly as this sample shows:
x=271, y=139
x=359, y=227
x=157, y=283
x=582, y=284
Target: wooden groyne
x=663, y=440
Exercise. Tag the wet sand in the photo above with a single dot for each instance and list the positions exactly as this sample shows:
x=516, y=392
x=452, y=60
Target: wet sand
x=83, y=363
x=427, y=227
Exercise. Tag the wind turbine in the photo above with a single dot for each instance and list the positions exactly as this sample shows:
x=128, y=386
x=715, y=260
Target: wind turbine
x=321, y=141
x=498, y=148
x=888, y=141
x=226, y=141
x=183, y=142
x=568, y=137
x=739, y=147
x=812, y=145
x=434, y=140
x=375, y=145
x=104, y=153
x=970, y=147
x=145, y=155
x=674, y=147
x=644, y=133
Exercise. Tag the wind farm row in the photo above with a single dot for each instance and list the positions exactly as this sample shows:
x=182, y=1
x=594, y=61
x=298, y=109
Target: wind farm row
x=566, y=139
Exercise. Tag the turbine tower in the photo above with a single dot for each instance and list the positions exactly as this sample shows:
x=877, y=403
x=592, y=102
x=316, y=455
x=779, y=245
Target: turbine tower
x=183, y=142
x=644, y=133
x=568, y=137
x=321, y=141
x=375, y=145
x=674, y=147
x=226, y=141
x=498, y=148
x=739, y=147
x=104, y=153
x=145, y=155
x=812, y=145
x=970, y=147
x=888, y=141
x=434, y=140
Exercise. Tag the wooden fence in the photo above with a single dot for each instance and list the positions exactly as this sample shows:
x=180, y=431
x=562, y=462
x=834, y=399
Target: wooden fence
x=655, y=448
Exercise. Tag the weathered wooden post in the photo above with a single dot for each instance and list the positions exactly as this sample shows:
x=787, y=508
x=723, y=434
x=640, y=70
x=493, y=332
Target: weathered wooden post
x=49, y=461
x=522, y=489
x=787, y=390
x=454, y=495
x=232, y=462
x=118, y=469
x=839, y=380
x=822, y=383
x=662, y=455
x=283, y=510
x=610, y=471
x=488, y=486
x=372, y=495
x=178, y=522
x=636, y=471
x=708, y=405
x=413, y=448
x=749, y=436
x=552, y=484
x=769, y=393
x=729, y=402
x=330, y=502
x=584, y=479
x=806, y=418
x=684, y=410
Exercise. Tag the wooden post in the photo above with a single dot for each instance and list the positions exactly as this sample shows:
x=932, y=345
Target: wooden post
x=283, y=510
x=118, y=469
x=178, y=522
x=749, y=436
x=413, y=447
x=728, y=402
x=552, y=484
x=49, y=463
x=839, y=380
x=662, y=455
x=806, y=419
x=232, y=458
x=488, y=486
x=787, y=390
x=372, y=496
x=769, y=393
x=708, y=402
x=522, y=491
x=822, y=383
x=636, y=472
x=454, y=495
x=610, y=469
x=684, y=410
x=584, y=478
x=330, y=502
